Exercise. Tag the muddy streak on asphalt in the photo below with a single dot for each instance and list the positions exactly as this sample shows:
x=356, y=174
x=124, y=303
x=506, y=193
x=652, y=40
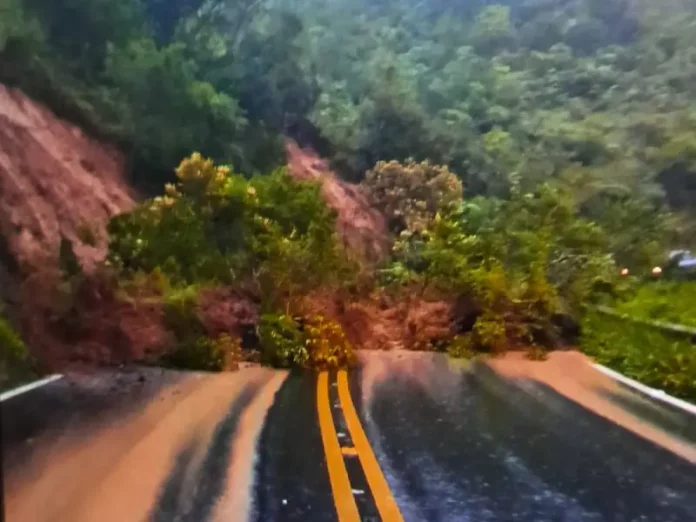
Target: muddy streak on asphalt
x=460, y=442
x=114, y=463
x=236, y=502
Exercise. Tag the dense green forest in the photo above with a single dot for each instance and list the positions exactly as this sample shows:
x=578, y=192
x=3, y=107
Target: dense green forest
x=523, y=152
x=596, y=96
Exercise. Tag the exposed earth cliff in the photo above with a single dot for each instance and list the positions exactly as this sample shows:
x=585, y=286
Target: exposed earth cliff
x=55, y=183
x=58, y=185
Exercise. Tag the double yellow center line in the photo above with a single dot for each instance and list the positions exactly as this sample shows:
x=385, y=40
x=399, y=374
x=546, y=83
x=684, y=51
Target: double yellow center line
x=344, y=500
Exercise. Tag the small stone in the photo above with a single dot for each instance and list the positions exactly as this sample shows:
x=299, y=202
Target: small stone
x=285, y=502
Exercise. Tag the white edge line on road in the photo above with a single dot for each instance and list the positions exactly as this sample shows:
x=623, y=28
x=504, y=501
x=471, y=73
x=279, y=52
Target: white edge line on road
x=651, y=392
x=28, y=387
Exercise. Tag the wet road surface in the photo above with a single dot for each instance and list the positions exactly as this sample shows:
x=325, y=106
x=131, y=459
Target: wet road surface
x=405, y=436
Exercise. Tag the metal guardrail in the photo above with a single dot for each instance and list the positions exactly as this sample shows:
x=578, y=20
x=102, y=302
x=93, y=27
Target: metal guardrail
x=675, y=329
x=658, y=395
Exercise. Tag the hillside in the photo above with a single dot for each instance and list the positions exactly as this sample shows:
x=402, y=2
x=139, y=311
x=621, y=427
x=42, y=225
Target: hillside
x=55, y=182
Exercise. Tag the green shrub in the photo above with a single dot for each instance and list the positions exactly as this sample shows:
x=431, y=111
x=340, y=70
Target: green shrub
x=461, y=347
x=326, y=344
x=216, y=226
x=489, y=333
x=282, y=342
x=664, y=301
x=410, y=195
x=315, y=343
x=16, y=366
x=642, y=352
x=192, y=349
x=181, y=311
x=195, y=353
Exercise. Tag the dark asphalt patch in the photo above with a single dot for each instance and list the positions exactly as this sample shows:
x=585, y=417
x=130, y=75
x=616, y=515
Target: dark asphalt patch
x=494, y=450
x=292, y=481
x=176, y=504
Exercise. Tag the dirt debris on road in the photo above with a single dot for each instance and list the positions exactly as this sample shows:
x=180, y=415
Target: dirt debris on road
x=127, y=466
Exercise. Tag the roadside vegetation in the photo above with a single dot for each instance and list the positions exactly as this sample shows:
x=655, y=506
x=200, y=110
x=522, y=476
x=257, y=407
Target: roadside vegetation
x=16, y=365
x=522, y=154
x=272, y=235
x=663, y=360
x=662, y=301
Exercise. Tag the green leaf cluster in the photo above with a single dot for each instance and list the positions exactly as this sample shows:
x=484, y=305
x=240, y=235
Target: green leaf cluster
x=662, y=301
x=522, y=261
x=214, y=226
x=311, y=342
x=16, y=365
x=642, y=352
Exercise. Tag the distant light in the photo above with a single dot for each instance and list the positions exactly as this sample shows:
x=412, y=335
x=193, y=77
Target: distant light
x=624, y=272
x=657, y=270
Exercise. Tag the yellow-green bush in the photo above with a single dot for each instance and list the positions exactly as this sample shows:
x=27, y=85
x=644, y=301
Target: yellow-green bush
x=461, y=347
x=192, y=349
x=16, y=366
x=411, y=194
x=282, y=342
x=217, y=226
x=314, y=342
x=326, y=344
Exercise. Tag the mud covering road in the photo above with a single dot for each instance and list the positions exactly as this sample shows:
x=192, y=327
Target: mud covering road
x=141, y=445
x=509, y=440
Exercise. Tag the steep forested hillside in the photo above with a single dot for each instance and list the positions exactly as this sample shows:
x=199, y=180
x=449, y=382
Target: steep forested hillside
x=521, y=152
x=596, y=96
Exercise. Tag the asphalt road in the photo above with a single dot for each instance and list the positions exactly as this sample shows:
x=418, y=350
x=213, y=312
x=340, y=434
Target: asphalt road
x=405, y=436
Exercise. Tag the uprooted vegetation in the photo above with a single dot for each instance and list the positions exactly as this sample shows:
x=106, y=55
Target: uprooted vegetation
x=270, y=236
x=477, y=275
x=565, y=128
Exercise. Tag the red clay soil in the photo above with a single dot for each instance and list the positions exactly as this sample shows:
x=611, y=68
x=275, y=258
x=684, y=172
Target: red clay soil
x=54, y=182
x=88, y=323
x=383, y=322
x=92, y=324
x=375, y=322
x=226, y=311
x=362, y=228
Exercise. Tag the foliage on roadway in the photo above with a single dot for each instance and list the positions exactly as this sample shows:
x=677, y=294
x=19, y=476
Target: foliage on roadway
x=522, y=260
x=270, y=233
x=311, y=342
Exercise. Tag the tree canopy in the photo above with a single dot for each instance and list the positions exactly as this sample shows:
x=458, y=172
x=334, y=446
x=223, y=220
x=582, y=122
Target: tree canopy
x=595, y=96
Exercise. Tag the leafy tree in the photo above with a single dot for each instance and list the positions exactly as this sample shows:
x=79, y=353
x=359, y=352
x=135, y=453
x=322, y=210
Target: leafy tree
x=216, y=226
x=410, y=195
x=154, y=81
